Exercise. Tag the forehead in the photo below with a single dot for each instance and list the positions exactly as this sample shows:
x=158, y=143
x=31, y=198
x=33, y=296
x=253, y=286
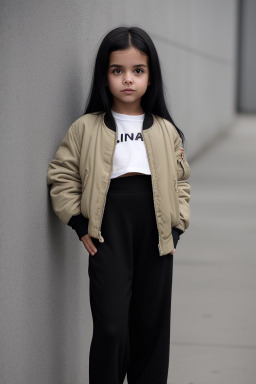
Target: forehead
x=127, y=57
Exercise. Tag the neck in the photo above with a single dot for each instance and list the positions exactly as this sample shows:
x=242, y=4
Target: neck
x=127, y=110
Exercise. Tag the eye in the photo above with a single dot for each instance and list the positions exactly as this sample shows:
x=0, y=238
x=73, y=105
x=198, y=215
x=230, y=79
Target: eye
x=139, y=69
x=116, y=69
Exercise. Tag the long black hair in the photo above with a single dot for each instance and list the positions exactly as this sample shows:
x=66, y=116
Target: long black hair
x=100, y=98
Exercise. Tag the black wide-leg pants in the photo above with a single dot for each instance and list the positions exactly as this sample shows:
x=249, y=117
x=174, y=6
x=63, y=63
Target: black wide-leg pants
x=130, y=290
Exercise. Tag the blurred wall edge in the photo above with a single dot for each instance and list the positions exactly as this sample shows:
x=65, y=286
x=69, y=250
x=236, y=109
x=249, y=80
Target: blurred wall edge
x=246, y=90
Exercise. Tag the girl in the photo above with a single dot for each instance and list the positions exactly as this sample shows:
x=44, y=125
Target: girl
x=119, y=179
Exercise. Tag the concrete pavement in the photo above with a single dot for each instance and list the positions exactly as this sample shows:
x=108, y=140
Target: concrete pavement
x=213, y=329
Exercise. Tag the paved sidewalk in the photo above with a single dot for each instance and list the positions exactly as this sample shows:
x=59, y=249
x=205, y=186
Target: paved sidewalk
x=213, y=329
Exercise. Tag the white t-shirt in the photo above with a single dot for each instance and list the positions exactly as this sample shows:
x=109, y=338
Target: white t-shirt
x=130, y=153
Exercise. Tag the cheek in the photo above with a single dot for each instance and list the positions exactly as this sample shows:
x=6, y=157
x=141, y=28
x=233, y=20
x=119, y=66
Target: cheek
x=113, y=82
x=144, y=83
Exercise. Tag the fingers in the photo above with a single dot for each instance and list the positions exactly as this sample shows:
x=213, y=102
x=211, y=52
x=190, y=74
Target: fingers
x=87, y=241
x=172, y=252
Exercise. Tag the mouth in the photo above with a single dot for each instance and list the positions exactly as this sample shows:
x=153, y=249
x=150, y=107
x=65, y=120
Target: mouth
x=128, y=90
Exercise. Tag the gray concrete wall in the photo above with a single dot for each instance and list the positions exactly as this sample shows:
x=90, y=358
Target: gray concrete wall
x=46, y=60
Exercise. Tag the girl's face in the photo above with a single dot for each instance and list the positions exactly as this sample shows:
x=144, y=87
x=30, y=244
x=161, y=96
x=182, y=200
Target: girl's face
x=128, y=69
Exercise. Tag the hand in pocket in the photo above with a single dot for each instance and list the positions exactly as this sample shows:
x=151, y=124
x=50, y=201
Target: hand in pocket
x=88, y=243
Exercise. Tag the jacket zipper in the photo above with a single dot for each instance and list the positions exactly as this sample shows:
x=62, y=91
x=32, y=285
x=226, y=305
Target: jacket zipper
x=159, y=247
x=100, y=237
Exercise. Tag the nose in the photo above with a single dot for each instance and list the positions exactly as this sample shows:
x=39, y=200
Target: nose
x=127, y=78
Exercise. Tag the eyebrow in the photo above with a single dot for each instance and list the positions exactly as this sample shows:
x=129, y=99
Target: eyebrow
x=120, y=66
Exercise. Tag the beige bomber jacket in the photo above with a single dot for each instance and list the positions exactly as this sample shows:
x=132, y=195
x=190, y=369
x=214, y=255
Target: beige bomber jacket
x=80, y=172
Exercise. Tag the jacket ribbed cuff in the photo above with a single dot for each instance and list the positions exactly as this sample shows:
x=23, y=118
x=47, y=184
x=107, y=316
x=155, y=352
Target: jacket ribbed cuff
x=80, y=224
x=176, y=232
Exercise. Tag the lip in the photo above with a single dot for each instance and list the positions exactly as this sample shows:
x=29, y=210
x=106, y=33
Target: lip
x=128, y=90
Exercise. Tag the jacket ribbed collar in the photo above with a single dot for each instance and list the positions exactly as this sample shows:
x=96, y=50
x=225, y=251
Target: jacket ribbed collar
x=110, y=121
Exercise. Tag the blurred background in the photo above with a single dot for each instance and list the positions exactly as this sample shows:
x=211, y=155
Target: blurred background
x=208, y=58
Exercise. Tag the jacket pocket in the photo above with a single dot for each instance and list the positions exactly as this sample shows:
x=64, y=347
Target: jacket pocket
x=85, y=177
x=183, y=169
x=175, y=184
x=175, y=209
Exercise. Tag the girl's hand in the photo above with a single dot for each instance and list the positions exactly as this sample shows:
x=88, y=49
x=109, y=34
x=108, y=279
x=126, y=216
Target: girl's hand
x=172, y=252
x=87, y=242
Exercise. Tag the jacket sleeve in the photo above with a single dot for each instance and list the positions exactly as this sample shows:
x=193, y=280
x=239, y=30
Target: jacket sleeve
x=66, y=186
x=183, y=186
